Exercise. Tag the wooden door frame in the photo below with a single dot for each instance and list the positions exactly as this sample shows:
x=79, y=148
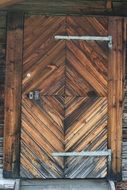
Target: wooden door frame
x=14, y=51
x=13, y=83
x=116, y=77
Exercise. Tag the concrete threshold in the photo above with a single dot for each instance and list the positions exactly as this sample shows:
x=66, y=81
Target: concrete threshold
x=56, y=184
x=90, y=184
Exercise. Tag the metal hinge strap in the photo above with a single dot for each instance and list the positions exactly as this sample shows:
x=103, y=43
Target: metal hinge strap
x=86, y=38
x=83, y=153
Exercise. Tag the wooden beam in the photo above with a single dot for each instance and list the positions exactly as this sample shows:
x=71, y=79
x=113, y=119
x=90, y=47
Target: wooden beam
x=116, y=92
x=71, y=7
x=109, y=4
x=13, y=94
x=4, y=3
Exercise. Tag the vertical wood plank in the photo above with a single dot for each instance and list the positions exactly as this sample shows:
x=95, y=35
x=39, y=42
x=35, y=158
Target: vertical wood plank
x=2, y=80
x=13, y=94
x=115, y=94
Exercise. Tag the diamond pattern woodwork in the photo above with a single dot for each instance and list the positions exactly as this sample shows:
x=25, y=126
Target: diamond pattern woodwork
x=71, y=114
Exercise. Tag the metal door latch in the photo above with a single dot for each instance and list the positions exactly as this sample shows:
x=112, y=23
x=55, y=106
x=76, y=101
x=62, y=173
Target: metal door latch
x=34, y=95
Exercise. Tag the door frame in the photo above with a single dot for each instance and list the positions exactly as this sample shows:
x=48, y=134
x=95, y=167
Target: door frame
x=13, y=83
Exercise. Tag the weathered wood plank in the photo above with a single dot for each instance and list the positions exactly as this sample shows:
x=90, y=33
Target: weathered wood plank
x=13, y=93
x=124, y=151
x=4, y=3
x=2, y=80
x=115, y=95
x=82, y=7
x=71, y=114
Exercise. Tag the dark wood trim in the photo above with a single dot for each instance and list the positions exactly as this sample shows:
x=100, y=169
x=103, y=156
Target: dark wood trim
x=115, y=95
x=13, y=94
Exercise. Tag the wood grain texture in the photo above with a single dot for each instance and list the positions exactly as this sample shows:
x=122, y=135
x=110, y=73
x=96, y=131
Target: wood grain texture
x=4, y=3
x=82, y=131
x=2, y=80
x=71, y=7
x=44, y=57
x=124, y=147
x=71, y=114
x=42, y=120
x=116, y=95
x=2, y=98
x=13, y=94
x=86, y=90
x=87, y=63
x=42, y=133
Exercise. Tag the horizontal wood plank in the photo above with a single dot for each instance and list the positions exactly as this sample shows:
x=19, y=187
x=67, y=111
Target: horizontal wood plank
x=94, y=7
x=4, y=3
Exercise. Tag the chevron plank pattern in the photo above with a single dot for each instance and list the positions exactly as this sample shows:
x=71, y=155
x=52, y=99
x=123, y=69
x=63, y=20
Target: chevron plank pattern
x=42, y=133
x=87, y=61
x=43, y=56
x=71, y=114
x=85, y=130
x=42, y=122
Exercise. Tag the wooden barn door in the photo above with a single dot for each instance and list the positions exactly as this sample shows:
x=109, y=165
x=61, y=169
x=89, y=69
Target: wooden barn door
x=64, y=97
